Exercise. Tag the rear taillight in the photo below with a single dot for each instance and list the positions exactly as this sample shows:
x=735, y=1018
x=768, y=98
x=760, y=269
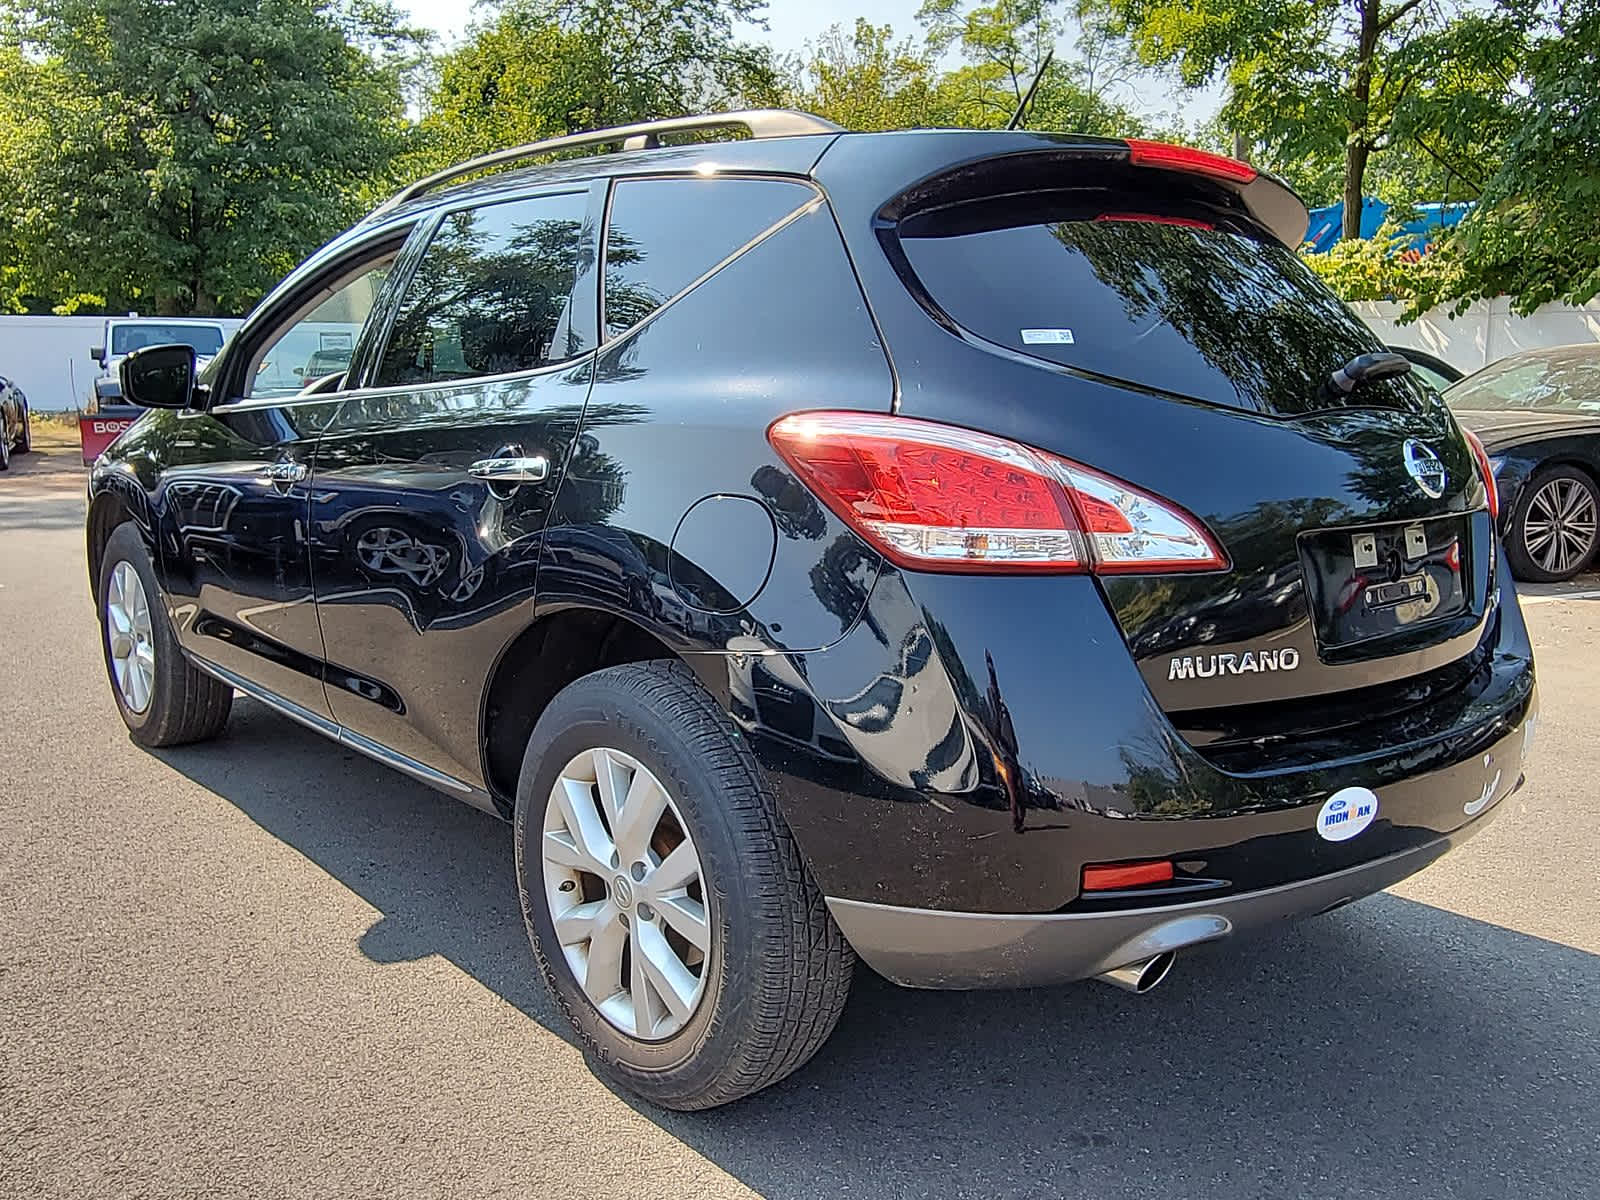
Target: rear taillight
x=1487, y=471
x=1168, y=157
x=938, y=497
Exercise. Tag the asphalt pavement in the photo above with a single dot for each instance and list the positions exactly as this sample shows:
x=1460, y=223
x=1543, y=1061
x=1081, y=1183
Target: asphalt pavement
x=269, y=967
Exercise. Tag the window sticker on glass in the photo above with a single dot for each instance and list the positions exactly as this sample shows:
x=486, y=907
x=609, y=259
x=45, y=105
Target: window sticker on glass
x=1047, y=337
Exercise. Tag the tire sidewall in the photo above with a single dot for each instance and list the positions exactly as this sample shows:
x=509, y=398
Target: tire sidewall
x=590, y=714
x=1522, y=562
x=127, y=545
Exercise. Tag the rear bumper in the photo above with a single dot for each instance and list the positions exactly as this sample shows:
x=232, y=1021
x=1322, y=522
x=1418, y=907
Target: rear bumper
x=930, y=948
x=975, y=742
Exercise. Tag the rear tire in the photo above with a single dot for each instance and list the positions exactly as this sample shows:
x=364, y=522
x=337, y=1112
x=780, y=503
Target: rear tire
x=5, y=450
x=163, y=700
x=25, y=442
x=1555, y=527
x=768, y=988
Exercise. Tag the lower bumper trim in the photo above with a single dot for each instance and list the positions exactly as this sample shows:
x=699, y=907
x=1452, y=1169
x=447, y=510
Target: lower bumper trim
x=929, y=948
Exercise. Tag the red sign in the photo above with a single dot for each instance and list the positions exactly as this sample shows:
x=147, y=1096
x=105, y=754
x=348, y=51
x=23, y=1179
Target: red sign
x=99, y=432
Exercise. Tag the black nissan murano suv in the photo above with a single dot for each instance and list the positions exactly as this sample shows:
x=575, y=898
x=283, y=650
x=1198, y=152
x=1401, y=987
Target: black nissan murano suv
x=991, y=555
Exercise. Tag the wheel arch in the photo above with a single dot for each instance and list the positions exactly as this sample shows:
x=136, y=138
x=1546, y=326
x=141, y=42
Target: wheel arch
x=108, y=509
x=559, y=647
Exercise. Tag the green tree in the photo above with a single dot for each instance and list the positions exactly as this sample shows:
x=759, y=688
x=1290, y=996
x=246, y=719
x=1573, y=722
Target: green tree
x=181, y=155
x=1535, y=234
x=864, y=79
x=1006, y=44
x=541, y=68
x=1318, y=88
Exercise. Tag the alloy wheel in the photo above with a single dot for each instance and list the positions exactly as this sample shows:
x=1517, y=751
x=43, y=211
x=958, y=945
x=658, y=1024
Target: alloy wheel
x=1560, y=525
x=626, y=894
x=132, y=637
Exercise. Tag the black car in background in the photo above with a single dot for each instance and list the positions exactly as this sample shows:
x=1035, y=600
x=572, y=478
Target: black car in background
x=989, y=554
x=14, y=435
x=1538, y=413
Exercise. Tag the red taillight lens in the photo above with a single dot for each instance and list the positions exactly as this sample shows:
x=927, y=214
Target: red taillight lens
x=1487, y=471
x=1107, y=877
x=1186, y=158
x=933, y=496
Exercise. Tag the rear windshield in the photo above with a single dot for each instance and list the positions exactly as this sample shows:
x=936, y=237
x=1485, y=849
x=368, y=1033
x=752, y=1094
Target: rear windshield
x=1185, y=299
x=206, y=339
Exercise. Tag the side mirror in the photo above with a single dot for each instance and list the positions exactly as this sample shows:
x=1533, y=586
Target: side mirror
x=98, y=353
x=159, y=377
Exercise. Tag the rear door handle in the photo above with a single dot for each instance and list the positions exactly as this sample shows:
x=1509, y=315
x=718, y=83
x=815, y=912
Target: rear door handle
x=513, y=469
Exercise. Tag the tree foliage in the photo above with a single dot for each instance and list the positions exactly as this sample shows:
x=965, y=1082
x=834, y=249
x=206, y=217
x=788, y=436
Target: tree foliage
x=1535, y=234
x=866, y=79
x=1319, y=89
x=181, y=155
x=541, y=68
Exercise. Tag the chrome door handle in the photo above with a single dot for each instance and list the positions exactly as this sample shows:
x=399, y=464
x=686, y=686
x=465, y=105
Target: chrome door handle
x=287, y=471
x=513, y=470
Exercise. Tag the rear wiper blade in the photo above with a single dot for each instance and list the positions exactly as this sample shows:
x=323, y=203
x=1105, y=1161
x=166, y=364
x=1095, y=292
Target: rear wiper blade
x=1365, y=367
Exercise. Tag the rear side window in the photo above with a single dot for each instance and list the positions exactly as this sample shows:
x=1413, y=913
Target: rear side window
x=491, y=295
x=1183, y=297
x=663, y=234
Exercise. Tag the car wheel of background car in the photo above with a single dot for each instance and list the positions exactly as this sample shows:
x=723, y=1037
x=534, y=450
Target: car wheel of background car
x=163, y=700
x=1553, y=530
x=666, y=900
x=25, y=439
x=5, y=449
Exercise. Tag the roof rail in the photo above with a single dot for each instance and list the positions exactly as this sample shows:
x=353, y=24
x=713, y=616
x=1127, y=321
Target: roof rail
x=645, y=135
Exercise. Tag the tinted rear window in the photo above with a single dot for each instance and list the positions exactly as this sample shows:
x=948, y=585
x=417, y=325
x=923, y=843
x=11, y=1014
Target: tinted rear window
x=1188, y=300
x=663, y=234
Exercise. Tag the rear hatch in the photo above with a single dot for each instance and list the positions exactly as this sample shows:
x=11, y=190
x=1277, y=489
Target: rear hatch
x=1149, y=321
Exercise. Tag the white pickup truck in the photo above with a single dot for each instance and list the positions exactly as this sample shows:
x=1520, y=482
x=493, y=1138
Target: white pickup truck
x=124, y=335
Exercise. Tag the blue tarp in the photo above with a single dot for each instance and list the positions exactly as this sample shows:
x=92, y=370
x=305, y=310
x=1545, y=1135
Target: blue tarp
x=1327, y=223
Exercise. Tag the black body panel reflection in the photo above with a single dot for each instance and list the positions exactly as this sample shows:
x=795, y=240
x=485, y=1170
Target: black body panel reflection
x=234, y=542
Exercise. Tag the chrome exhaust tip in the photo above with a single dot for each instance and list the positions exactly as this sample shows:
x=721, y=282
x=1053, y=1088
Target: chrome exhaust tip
x=1142, y=976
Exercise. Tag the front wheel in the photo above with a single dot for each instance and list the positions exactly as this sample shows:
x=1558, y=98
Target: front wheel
x=25, y=439
x=163, y=700
x=1554, y=528
x=667, y=903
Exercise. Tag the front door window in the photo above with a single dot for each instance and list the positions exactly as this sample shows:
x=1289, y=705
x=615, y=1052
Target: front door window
x=318, y=343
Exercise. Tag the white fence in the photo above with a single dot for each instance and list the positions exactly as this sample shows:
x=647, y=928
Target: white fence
x=1488, y=330
x=48, y=357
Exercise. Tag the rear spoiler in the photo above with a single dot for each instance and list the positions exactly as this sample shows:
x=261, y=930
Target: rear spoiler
x=1267, y=199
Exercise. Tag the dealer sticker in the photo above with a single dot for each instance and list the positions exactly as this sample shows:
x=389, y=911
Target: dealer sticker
x=1047, y=337
x=1346, y=813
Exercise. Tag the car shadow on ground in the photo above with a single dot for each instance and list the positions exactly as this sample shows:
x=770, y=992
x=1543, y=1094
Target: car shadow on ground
x=1387, y=1049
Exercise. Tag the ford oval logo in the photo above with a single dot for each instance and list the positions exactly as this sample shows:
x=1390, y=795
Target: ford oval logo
x=1423, y=465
